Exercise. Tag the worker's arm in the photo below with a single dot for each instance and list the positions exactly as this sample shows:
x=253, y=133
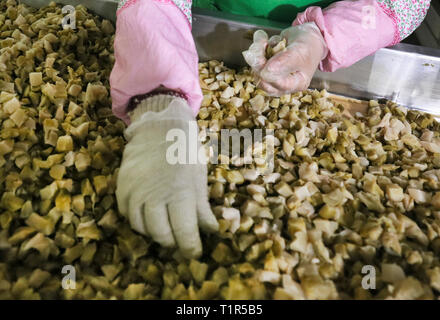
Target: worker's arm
x=333, y=38
x=155, y=89
x=356, y=29
x=153, y=47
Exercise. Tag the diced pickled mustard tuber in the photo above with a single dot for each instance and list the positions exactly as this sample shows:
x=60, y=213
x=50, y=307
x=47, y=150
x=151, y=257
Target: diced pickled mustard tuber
x=35, y=79
x=19, y=117
x=100, y=184
x=88, y=230
x=11, y=106
x=38, y=277
x=342, y=192
x=57, y=171
x=434, y=277
x=198, y=270
x=64, y=144
x=134, y=291
x=82, y=161
x=273, y=48
x=392, y=273
x=42, y=224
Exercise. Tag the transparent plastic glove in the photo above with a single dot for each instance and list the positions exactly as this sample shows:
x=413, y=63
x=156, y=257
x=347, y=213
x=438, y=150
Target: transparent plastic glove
x=292, y=69
x=255, y=55
x=166, y=201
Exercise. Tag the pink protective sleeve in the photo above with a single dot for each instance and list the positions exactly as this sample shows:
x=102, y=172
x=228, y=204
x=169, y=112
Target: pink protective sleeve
x=183, y=5
x=352, y=30
x=153, y=46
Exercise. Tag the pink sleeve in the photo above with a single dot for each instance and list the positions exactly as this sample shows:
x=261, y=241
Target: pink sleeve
x=356, y=29
x=153, y=47
x=183, y=5
x=406, y=14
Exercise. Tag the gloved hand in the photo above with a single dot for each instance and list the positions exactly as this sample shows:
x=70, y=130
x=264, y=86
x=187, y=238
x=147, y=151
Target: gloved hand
x=164, y=200
x=292, y=69
x=351, y=30
x=153, y=47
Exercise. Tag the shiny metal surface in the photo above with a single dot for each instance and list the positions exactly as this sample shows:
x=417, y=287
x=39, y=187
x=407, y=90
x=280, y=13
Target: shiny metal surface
x=105, y=8
x=406, y=74
x=224, y=36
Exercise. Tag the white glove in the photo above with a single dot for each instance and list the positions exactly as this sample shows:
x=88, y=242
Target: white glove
x=165, y=201
x=290, y=70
